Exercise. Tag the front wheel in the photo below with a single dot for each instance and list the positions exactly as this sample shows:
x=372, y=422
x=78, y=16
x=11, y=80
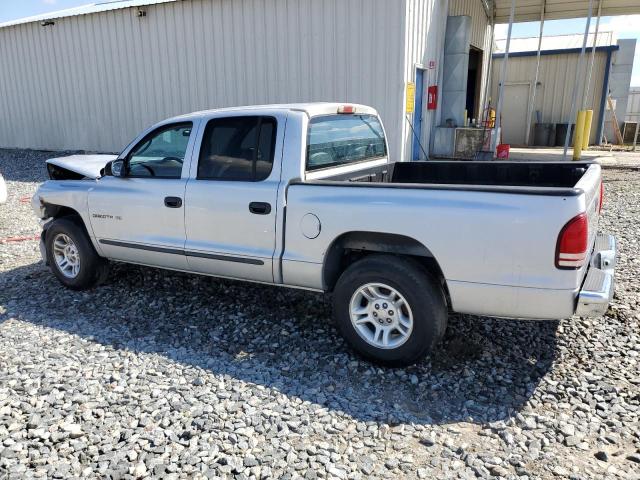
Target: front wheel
x=71, y=257
x=390, y=309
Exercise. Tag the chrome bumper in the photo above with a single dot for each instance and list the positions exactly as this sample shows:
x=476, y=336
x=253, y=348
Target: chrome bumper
x=597, y=290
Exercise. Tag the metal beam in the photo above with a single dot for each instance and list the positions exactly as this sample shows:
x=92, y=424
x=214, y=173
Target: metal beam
x=603, y=98
x=574, y=97
x=503, y=75
x=529, y=10
x=532, y=99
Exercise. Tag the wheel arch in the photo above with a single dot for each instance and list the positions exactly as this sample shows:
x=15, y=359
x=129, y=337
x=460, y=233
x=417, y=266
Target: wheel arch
x=55, y=212
x=352, y=246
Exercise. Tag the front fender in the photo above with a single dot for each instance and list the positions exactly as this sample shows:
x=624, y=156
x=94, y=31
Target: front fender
x=57, y=198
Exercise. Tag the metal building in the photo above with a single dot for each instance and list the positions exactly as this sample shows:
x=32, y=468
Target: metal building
x=92, y=77
x=559, y=63
x=633, y=105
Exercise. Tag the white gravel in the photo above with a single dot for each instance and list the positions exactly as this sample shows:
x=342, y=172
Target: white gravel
x=159, y=374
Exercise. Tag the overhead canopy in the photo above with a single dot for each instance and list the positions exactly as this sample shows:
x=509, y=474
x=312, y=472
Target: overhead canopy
x=529, y=10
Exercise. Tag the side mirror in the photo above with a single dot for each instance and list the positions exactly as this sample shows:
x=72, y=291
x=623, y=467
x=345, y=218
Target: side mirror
x=117, y=167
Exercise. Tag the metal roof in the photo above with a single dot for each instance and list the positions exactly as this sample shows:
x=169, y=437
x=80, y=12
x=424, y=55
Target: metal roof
x=529, y=10
x=96, y=7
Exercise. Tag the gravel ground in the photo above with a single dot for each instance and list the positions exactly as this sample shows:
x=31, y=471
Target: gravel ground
x=159, y=374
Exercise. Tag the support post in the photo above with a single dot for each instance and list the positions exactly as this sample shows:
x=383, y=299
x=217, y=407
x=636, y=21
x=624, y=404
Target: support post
x=587, y=128
x=574, y=96
x=503, y=76
x=593, y=56
x=487, y=81
x=532, y=98
x=578, y=138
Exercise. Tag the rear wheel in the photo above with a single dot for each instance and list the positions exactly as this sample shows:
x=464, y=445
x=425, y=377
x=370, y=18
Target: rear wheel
x=71, y=257
x=390, y=309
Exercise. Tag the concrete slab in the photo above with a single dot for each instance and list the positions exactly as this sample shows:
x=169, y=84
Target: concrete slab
x=613, y=159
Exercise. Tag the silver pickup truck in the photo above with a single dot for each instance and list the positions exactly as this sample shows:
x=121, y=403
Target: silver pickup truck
x=304, y=196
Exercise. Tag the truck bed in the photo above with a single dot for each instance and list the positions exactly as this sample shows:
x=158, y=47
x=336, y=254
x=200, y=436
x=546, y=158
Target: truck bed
x=468, y=175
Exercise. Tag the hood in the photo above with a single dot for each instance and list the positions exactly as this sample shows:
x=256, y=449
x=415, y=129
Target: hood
x=88, y=166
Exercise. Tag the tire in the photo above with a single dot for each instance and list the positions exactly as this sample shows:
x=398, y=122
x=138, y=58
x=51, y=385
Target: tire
x=90, y=267
x=419, y=302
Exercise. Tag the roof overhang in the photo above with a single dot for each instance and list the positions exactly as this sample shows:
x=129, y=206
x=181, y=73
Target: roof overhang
x=529, y=10
x=557, y=51
x=97, y=7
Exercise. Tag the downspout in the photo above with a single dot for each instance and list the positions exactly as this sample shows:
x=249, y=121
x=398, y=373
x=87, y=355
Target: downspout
x=603, y=98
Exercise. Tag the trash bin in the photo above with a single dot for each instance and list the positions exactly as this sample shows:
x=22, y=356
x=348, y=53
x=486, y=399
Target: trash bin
x=544, y=135
x=561, y=133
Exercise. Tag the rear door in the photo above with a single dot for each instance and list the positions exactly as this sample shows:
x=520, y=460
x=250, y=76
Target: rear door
x=514, y=114
x=231, y=208
x=140, y=217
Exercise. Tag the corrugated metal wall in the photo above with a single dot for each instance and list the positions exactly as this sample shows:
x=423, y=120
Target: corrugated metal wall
x=479, y=21
x=557, y=80
x=633, y=105
x=619, y=84
x=480, y=37
x=94, y=81
x=424, y=42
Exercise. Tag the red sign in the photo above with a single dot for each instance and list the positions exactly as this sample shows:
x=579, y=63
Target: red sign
x=432, y=97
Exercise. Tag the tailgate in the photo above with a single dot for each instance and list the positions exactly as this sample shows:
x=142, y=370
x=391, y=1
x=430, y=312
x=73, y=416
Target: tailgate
x=590, y=183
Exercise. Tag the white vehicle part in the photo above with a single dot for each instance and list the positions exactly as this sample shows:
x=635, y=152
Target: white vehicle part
x=86, y=165
x=3, y=190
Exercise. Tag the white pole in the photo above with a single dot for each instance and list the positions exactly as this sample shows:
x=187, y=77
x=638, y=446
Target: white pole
x=503, y=75
x=574, y=97
x=593, y=55
x=532, y=100
x=487, y=81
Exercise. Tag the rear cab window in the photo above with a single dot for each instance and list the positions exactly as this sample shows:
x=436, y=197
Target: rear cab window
x=338, y=140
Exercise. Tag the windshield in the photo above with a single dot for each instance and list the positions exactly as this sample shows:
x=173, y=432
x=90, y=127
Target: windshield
x=335, y=140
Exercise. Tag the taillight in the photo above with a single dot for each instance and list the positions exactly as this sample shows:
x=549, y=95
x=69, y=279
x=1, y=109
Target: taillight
x=571, y=250
x=601, y=200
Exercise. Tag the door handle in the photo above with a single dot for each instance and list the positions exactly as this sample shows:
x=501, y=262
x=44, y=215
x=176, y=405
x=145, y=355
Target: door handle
x=172, y=202
x=260, y=208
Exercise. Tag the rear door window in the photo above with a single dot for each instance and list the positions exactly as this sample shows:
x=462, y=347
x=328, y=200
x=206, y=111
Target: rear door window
x=335, y=140
x=238, y=148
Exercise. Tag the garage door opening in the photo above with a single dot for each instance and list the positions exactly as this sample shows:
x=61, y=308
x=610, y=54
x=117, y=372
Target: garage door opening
x=474, y=81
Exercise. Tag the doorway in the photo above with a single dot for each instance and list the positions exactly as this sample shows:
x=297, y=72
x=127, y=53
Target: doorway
x=474, y=82
x=514, y=113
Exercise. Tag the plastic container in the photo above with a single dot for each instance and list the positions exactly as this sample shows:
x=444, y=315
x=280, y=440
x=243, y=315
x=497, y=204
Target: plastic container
x=561, y=133
x=544, y=134
x=502, y=151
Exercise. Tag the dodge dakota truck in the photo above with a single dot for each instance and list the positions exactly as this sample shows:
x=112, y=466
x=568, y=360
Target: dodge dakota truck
x=305, y=196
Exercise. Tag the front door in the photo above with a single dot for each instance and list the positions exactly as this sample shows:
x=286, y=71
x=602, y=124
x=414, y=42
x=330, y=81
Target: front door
x=139, y=218
x=230, y=201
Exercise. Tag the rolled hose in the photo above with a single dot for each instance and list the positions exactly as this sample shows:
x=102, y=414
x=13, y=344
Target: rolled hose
x=23, y=238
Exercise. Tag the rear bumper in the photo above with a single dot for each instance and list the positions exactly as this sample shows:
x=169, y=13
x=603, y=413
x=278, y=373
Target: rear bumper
x=597, y=290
